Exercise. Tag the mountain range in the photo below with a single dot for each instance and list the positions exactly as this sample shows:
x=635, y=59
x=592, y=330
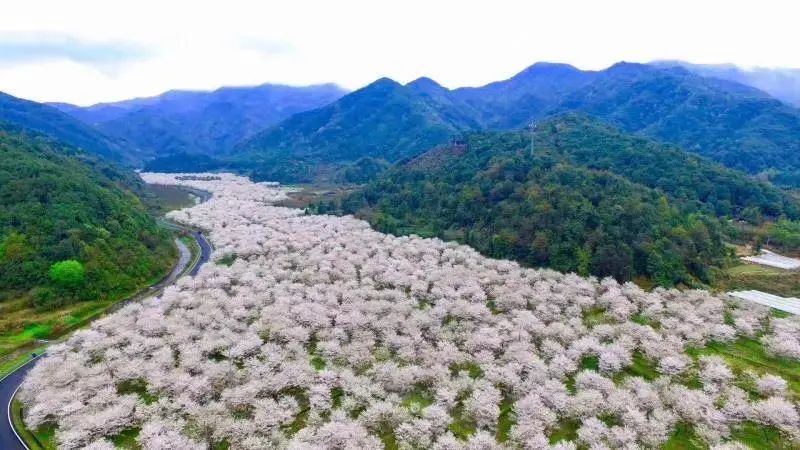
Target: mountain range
x=27, y=115
x=632, y=171
x=781, y=83
x=58, y=203
x=587, y=198
x=198, y=121
x=323, y=133
x=737, y=125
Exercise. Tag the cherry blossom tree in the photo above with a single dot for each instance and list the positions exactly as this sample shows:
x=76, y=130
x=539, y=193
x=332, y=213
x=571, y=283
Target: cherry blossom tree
x=324, y=333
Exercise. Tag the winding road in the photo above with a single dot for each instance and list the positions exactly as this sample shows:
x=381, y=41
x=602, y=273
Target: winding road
x=8, y=387
x=9, y=440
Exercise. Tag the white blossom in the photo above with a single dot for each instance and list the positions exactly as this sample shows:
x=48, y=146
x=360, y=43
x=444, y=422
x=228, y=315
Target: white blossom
x=323, y=322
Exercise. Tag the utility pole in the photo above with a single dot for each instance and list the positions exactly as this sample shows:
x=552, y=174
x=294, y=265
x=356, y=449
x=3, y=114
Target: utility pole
x=532, y=127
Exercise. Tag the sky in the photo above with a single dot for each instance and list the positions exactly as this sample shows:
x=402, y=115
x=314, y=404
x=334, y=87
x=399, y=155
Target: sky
x=89, y=51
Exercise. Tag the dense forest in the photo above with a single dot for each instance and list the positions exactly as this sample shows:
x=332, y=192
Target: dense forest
x=72, y=226
x=736, y=125
x=590, y=199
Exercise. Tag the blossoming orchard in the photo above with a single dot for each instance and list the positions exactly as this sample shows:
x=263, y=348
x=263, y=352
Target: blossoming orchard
x=316, y=332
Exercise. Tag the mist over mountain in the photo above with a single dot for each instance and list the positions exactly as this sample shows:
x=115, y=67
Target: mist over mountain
x=781, y=83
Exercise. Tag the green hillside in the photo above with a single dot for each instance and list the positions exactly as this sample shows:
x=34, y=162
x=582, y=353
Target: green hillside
x=47, y=120
x=736, y=125
x=385, y=121
x=590, y=199
x=58, y=204
x=739, y=126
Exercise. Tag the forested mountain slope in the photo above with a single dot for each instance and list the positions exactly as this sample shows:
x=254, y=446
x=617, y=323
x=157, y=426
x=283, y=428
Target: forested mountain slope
x=60, y=205
x=737, y=125
x=514, y=102
x=589, y=199
x=50, y=121
x=384, y=120
x=201, y=122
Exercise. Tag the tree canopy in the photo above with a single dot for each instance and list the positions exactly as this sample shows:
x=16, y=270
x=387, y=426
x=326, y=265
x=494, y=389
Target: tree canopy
x=589, y=199
x=60, y=208
x=68, y=274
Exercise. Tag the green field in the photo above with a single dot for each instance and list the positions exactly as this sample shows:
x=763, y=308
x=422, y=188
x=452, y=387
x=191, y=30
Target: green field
x=746, y=276
x=746, y=354
x=172, y=197
x=23, y=328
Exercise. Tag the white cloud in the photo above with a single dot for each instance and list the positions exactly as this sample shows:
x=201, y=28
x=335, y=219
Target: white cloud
x=198, y=44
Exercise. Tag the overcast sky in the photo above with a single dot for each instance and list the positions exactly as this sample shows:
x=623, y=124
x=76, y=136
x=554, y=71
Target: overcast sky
x=87, y=51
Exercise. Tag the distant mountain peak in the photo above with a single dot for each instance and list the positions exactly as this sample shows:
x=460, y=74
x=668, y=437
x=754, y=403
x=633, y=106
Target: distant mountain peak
x=427, y=86
x=385, y=81
x=543, y=66
x=424, y=82
x=628, y=67
x=781, y=83
x=209, y=122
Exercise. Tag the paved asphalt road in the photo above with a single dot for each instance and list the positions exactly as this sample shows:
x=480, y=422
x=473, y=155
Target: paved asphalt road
x=9, y=385
x=205, y=252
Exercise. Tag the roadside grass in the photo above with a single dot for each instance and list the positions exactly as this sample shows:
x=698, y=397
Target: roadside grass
x=23, y=325
x=194, y=248
x=18, y=360
x=42, y=438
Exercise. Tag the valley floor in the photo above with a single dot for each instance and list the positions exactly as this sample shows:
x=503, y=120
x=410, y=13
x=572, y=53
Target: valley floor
x=316, y=331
